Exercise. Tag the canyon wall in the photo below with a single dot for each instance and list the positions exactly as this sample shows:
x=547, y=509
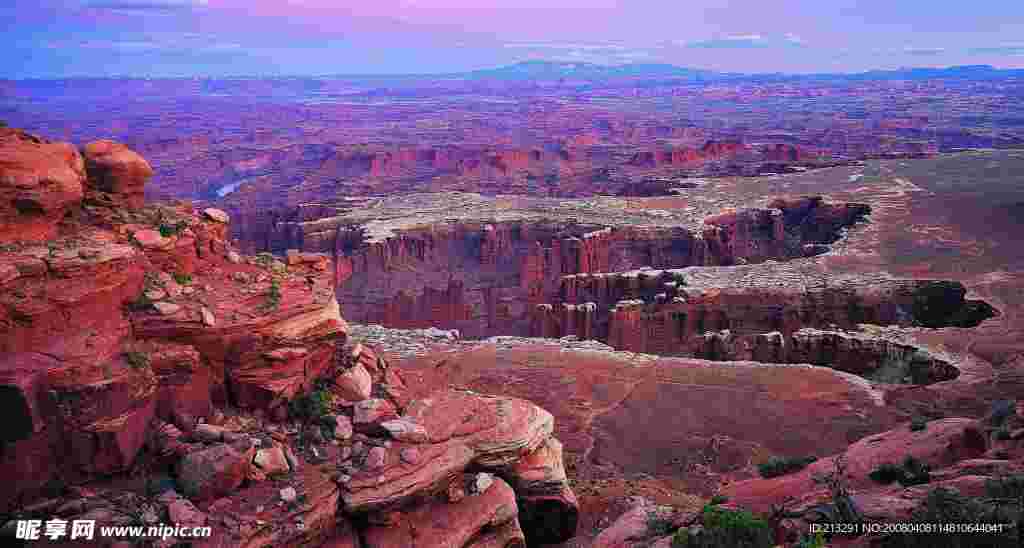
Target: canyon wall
x=488, y=278
x=760, y=312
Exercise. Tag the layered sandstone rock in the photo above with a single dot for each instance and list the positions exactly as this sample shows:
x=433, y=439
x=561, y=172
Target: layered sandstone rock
x=468, y=522
x=139, y=340
x=117, y=174
x=730, y=313
x=40, y=181
x=484, y=268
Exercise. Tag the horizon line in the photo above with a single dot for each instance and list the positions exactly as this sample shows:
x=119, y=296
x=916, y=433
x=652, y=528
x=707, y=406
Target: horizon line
x=464, y=73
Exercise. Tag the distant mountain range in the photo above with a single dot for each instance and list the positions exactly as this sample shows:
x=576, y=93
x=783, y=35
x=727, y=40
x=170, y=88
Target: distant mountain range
x=550, y=70
x=590, y=73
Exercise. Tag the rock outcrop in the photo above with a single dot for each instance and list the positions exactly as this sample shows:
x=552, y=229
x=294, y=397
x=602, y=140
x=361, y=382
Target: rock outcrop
x=117, y=175
x=40, y=181
x=137, y=340
x=483, y=269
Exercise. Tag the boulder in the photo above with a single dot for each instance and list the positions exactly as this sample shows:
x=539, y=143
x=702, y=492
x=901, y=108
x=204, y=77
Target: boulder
x=257, y=517
x=342, y=427
x=353, y=384
x=215, y=471
x=182, y=512
x=117, y=174
x=151, y=239
x=166, y=308
x=371, y=414
x=440, y=524
x=271, y=461
x=216, y=215
x=39, y=181
x=406, y=431
x=632, y=528
x=465, y=429
x=208, y=432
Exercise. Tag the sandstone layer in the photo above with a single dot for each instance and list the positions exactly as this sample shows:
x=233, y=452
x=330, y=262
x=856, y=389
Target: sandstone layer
x=153, y=374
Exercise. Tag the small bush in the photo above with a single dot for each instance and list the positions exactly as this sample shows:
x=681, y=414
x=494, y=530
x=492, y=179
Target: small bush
x=811, y=541
x=917, y=472
x=312, y=407
x=918, y=424
x=264, y=259
x=142, y=302
x=172, y=229
x=1003, y=434
x=780, y=466
x=910, y=472
x=1006, y=487
x=718, y=499
x=182, y=278
x=721, y=528
x=679, y=278
x=273, y=296
x=943, y=505
x=659, y=525
x=887, y=473
x=137, y=360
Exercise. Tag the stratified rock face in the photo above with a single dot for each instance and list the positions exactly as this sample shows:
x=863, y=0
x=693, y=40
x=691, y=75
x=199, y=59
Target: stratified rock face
x=731, y=313
x=463, y=429
x=138, y=339
x=685, y=156
x=117, y=174
x=39, y=181
x=486, y=278
x=441, y=523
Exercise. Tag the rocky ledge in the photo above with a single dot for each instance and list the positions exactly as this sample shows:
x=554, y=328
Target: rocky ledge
x=152, y=374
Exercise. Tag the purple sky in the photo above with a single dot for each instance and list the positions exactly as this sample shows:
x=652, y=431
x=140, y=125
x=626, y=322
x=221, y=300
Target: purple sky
x=228, y=37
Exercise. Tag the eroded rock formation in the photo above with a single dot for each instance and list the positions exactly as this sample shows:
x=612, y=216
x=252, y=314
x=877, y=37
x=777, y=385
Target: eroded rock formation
x=152, y=374
x=482, y=266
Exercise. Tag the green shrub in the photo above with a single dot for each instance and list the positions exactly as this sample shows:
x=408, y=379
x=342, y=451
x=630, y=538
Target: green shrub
x=780, y=466
x=172, y=229
x=1003, y=433
x=314, y=406
x=718, y=499
x=887, y=473
x=944, y=505
x=182, y=278
x=917, y=472
x=659, y=525
x=137, y=360
x=141, y=302
x=918, y=424
x=264, y=259
x=910, y=472
x=726, y=528
x=273, y=296
x=1006, y=487
x=811, y=541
